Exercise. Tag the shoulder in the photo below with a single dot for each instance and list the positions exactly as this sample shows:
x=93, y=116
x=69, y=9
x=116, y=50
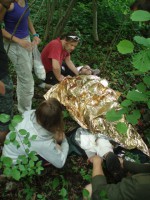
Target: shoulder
x=12, y=5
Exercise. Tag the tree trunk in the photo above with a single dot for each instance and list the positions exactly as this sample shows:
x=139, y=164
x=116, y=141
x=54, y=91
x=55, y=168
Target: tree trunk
x=95, y=33
x=63, y=20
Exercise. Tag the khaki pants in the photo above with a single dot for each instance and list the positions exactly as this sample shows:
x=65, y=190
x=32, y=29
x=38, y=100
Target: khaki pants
x=22, y=61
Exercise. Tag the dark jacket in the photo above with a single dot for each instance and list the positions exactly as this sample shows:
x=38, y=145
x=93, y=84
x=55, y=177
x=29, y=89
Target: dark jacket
x=3, y=58
x=135, y=187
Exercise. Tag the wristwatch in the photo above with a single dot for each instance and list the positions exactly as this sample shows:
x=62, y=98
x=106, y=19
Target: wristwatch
x=35, y=35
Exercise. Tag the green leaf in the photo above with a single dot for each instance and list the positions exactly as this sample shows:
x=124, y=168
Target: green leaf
x=16, y=174
x=126, y=103
x=146, y=80
x=140, y=15
x=141, y=61
x=85, y=193
x=16, y=119
x=55, y=183
x=141, y=87
x=4, y=118
x=137, y=96
x=11, y=127
x=31, y=163
x=131, y=119
x=7, y=171
x=33, y=137
x=12, y=136
x=7, y=141
x=7, y=161
x=63, y=192
x=142, y=40
x=122, y=127
x=113, y=115
x=23, y=132
x=125, y=46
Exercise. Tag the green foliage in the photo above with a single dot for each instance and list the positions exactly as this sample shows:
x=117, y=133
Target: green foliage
x=4, y=118
x=26, y=165
x=86, y=194
x=125, y=47
x=113, y=115
x=140, y=16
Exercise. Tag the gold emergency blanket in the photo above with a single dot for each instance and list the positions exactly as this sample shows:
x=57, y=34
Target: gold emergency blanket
x=88, y=101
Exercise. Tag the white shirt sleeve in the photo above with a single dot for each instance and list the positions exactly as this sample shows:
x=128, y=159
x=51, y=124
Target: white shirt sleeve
x=54, y=153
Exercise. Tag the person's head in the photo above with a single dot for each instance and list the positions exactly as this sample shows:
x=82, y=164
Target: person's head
x=141, y=5
x=70, y=41
x=49, y=115
x=85, y=70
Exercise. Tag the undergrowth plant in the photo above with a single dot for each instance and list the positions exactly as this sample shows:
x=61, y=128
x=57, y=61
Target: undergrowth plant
x=26, y=165
x=140, y=94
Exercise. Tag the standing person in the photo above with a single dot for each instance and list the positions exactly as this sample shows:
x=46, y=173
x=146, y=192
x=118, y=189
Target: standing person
x=6, y=85
x=55, y=53
x=46, y=123
x=19, y=50
x=132, y=187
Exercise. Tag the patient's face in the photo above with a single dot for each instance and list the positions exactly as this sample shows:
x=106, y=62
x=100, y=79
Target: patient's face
x=86, y=70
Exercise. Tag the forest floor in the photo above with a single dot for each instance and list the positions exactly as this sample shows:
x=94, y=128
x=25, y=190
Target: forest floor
x=53, y=184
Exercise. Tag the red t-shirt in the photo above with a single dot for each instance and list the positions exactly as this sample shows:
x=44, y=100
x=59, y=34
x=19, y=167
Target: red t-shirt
x=53, y=50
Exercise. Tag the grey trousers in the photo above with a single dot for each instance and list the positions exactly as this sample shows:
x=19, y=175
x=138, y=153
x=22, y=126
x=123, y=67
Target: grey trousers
x=22, y=61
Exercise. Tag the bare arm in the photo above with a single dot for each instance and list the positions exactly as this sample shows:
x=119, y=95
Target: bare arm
x=36, y=39
x=97, y=165
x=57, y=70
x=71, y=66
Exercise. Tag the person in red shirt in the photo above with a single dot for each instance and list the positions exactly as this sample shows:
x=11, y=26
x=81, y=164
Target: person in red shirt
x=53, y=55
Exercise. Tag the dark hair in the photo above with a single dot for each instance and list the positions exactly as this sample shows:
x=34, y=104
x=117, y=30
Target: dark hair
x=141, y=5
x=70, y=37
x=49, y=115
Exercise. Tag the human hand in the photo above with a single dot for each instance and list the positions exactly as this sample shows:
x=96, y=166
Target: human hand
x=95, y=160
x=61, y=78
x=25, y=44
x=36, y=40
x=2, y=88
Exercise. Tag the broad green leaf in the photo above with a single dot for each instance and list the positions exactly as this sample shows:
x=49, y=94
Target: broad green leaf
x=4, y=118
x=63, y=192
x=136, y=114
x=140, y=15
x=141, y=87
x=125, y=46
x=121, y=128
x=16, y=174
x=23, y=132
x=126, y=103
x=142, y=40
x=11, y=127
x=22, y=168
x=131, y=119
x=55, y=183
x=136, y=96
x=16, y=119
x=7, y=161
x=33, y=137
x=16, y=143
x=146, y=80
x=12, y=136
x=7, y=171
x=141, y=61
x=31, y=163
x=85, y=193
x=113, y=115
x=7, y=141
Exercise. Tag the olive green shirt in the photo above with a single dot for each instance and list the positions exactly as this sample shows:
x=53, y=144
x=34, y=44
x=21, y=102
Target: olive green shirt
x=135, y=187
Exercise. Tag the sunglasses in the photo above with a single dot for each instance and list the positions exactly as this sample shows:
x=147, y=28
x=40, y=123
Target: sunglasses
x=75, y=38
